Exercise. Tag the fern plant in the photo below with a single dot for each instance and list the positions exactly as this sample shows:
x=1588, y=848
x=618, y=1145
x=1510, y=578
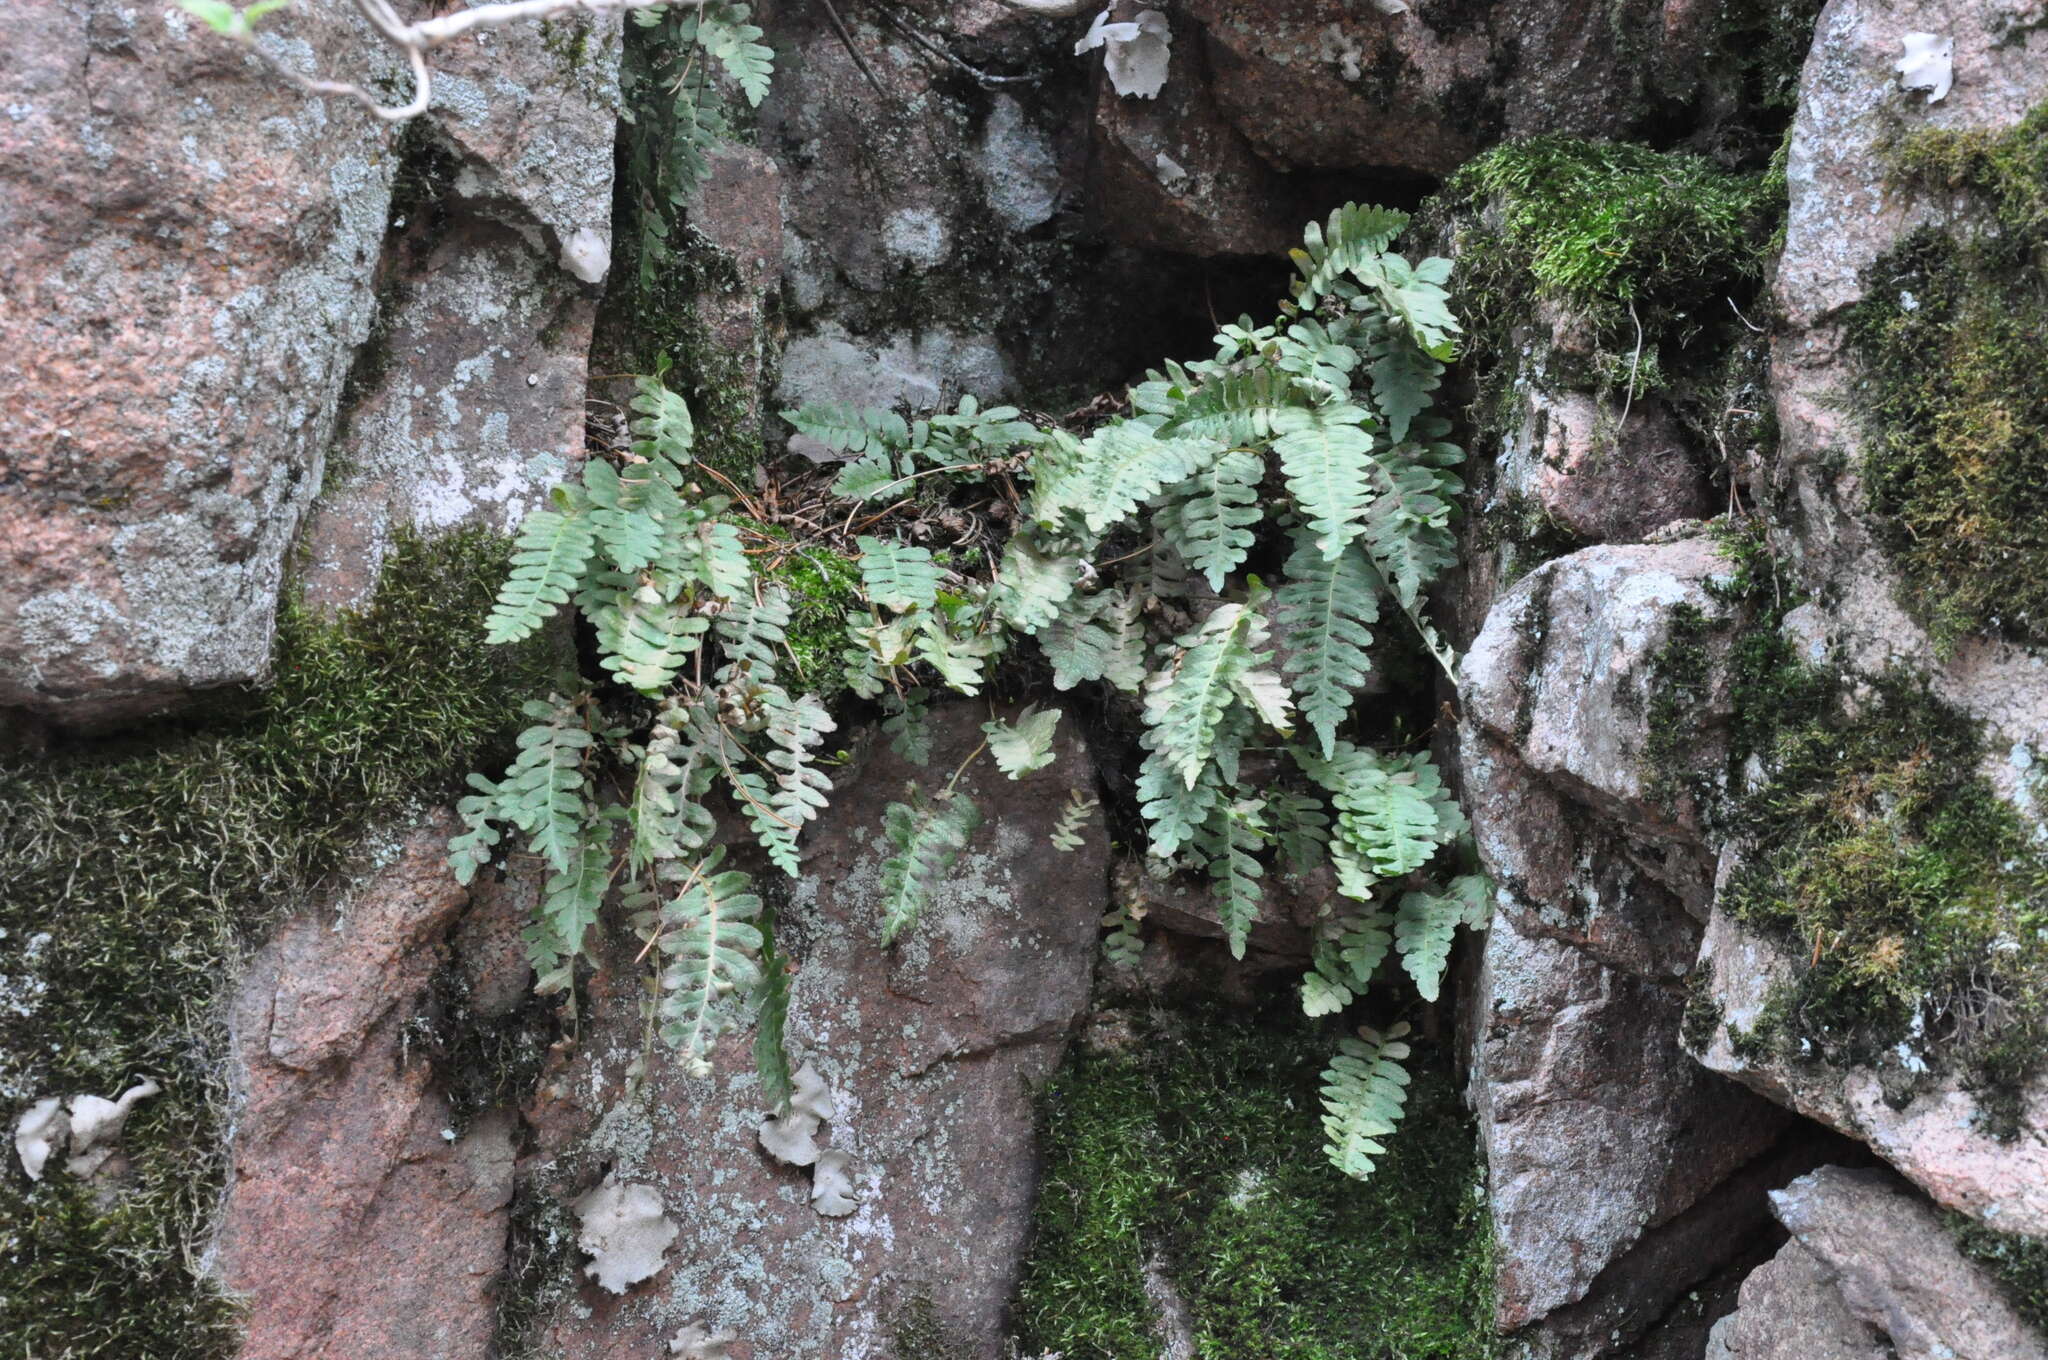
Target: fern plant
x=1221, y=556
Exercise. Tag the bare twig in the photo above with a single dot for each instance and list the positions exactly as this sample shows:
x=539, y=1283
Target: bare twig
x=416, y=40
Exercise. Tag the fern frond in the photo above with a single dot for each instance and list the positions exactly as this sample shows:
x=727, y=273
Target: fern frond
x=1207, y=518
x=725, y=34
x=1185, y=702
x=664, y=814
x=1066, y=834
x=1365, y=1090
x=1301, y=828
x=1326, y=454
x=928, y=840
x=1237, y=408
x=1324, y=610
x=1024, y=746
x=1031, y=584
x=643, y=638
x=1097, y=637
x=951, y=640
x=1230, y=840
x=896, y=575
x=543, y=793
x=1392, y=813
x=1121, y=466
x=796, y=728
x=712, y=946
x=712, y=553
x=1423, y=927
x=1363, y=940
x=1414, y=295
x=569, y=903
x=548, y=560
x=846, y=428
x=1354, y=238
x=663, y=432
x=1173, y=810
x=1403, y=379
x=754, y=631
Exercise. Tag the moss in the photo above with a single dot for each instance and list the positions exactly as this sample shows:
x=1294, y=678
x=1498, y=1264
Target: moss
x=1703, y=1015
x=1918, y=897
x=2019, y=1264
x=1949, y=339
x=1192, y=1147
x=135, y=873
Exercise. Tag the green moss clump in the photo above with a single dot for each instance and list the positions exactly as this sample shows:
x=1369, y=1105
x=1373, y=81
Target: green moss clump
x=1606, y=225
x=1949, y=339
x=2020, y=1265
x=1703, y=1015
x=1919, y=896
x=1194, y=1148
x=136, y=871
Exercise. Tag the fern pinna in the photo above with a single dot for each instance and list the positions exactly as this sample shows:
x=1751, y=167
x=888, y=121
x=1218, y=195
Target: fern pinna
x=1235, y=555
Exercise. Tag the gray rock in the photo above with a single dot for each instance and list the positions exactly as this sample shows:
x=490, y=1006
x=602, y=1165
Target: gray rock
x=1927, y=1124
x=1899, y=1287
x=1596, y=1129
x=1602, y=471
x=930, y=1050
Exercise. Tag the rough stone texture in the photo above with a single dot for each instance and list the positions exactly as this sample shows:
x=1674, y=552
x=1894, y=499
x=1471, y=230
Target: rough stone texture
x=930, y=1049
x=1846, y=210
x=1602, y=472
x=1927, y=1125
x=1324, y=84
x=1595, y=1127
x=470, y=392
x=190, y=288
x=1791, y=1310
x=355, y=1223
x=185, y=287
x=1870, y=1273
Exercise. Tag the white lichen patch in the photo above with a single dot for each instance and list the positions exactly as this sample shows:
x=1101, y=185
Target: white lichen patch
x=625, y=1232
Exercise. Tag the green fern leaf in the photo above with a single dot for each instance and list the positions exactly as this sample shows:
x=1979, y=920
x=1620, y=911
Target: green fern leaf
x=547, y=561
x=1032, y=584
x=928, y=840
x=1365, y=1091
x=1173, y=810
x=1238, y=408
x=643, y=638
x=1403, y=379
x=1124, y=465
x=1324, y=610
x=796, y=728
x=726, y=35
x=1301, y=829
x=1363, y=941
x=1326, y=454
x=755, y=631
x=1024, y=746
x=1353, y=239
x=1185, y=702
x=569, y=904
x=1423, y=927
x=1066, y=836
x=630, y=512
x=1230, y=841
x=896, y=575
x=952, y=641
x=1097, y=637
x=1207, y=518
x=712, y=948
x=663, y=432
x=846, y=428
x=1415, y=296
x=711, y=552
x=543, y=793
x=664, y=814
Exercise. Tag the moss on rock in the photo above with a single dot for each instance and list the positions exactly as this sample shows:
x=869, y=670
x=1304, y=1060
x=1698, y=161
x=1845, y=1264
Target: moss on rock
x=136, y=872
x=1949, y=338
x=1194, y=1147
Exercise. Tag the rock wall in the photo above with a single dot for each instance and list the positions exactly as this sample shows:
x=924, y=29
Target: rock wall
x=251, y=354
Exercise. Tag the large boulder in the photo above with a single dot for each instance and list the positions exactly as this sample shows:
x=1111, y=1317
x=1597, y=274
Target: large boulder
x=930, y=1050
x=1869, y=1274
x=188, y=270
x=194, y=261
x=1934, y=1126
x=347, y=1172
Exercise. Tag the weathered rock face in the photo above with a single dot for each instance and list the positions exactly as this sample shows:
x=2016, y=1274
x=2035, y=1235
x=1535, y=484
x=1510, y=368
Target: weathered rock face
x=357, y=1222
x=1933, y=1127
x=1599, y=472
x=930, y=1050
x=1869, y=1273
x=1618, y=1172
x=188, y=272
x=1847, y=209
x=467, y=400
x=194, y=258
